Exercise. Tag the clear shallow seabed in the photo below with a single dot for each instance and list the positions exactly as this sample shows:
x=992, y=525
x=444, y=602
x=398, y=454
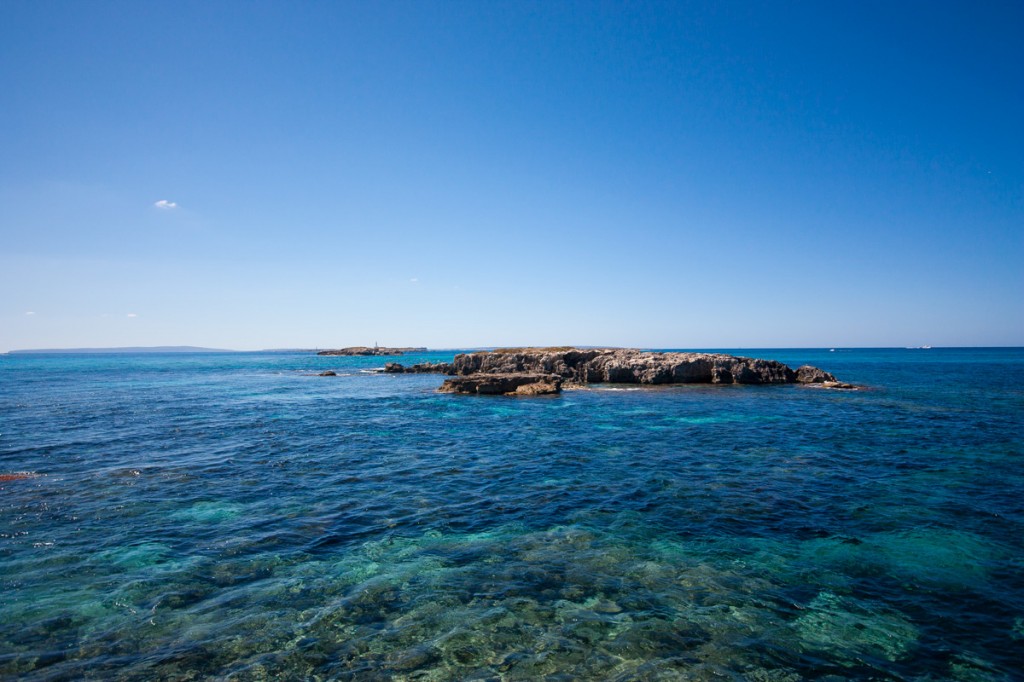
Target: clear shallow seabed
x=235, y=516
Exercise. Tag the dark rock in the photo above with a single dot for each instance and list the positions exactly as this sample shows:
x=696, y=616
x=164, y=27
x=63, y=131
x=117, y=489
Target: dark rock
x=503, y=384
x=421, y=368
x=812, y=375
x=328, y=373
x=818, y=377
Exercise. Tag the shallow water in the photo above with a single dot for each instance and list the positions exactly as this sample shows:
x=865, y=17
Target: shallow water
x=236, y=516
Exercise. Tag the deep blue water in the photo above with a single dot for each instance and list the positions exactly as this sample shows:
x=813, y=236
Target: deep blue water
x=235, y=516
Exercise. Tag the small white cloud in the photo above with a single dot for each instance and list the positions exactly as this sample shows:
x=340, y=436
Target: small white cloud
x=30, y=312
x=165, y=205
x=132, y=315
x=414, y=280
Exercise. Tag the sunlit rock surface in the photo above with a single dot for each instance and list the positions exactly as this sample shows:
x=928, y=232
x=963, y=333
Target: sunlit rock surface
x=625, y=366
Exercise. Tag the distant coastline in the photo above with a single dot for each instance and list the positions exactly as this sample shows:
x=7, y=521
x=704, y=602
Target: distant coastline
x=125, y=349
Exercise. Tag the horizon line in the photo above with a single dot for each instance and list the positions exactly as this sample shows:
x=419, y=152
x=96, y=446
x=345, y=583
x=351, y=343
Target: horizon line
x=183, y=349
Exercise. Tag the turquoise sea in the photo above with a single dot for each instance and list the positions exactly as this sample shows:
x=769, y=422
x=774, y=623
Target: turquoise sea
x=234, y=516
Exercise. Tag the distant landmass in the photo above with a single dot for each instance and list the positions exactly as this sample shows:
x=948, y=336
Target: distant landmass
x=125, y=349
x=367, y=350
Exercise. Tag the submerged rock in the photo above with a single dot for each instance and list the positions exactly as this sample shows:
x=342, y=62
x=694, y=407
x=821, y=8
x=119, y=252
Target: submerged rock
x=629, y=366
x=17, y=476
x=849, y=629
x=328, y=373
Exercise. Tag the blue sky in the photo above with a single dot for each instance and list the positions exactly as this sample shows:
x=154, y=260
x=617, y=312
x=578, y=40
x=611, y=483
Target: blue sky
x=481, y=173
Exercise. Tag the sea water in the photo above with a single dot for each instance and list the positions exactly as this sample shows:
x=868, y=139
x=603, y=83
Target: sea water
x=236, y=516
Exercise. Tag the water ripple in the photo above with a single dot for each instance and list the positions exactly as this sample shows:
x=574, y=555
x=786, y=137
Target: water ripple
x=238, y=517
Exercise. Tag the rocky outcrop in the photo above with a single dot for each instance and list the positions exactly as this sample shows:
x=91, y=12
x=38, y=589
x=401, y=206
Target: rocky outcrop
x=503, y=384
x=812, y=375
x=819, y=377
x=630, y=367
x=375, y=350
x=587, y=366
x=421, y=368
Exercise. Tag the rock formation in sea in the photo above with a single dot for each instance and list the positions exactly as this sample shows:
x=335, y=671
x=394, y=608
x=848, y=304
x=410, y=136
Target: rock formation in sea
x=518, y=367
x=371, y=350
x=503, y=384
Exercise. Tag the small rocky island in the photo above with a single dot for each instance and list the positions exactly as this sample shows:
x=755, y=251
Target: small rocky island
x=540, y=371
x=368, y=350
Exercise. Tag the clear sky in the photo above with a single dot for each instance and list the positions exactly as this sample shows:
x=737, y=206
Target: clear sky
x=711, y=174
